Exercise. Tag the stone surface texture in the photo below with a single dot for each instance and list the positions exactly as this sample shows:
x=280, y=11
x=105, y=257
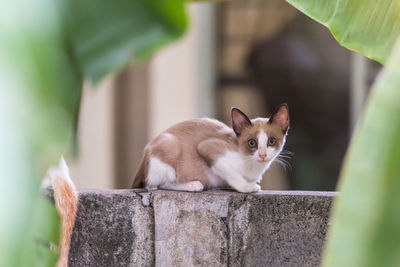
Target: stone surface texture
x=278, y=229
x=113, y=228
x=211, y=228
x=191, y=228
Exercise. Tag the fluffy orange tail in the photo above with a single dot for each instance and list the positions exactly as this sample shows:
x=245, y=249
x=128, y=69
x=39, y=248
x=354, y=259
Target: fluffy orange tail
x=66, y=201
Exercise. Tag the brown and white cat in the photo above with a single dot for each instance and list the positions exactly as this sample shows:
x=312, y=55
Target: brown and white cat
x=205, y=153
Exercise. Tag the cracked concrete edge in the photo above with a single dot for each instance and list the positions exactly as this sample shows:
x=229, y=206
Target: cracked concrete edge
x=113, y=228
x=234, y=214
x=191, y=228
x=280, y=229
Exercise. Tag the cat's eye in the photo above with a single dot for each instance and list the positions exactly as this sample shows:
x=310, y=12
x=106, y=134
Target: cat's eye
x=271, y=141
x=252, y=143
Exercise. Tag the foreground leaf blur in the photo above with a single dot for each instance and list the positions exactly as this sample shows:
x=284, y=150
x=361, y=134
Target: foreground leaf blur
x=365, y=221
x=46, y=48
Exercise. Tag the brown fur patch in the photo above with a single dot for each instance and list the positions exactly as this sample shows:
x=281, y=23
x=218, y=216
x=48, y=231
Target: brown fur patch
x=280, y=117
x=272, y=130
x=182, y=147
x=141, y=174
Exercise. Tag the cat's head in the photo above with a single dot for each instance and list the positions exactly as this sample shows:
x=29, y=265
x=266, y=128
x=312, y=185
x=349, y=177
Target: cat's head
x=261, y=139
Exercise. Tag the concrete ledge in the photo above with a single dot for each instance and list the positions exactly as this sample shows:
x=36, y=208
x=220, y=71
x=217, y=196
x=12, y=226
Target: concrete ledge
x=212, y=228
x=113, y=228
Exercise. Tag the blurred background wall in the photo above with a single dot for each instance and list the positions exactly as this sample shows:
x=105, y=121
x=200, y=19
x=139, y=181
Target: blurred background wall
x=252, y=54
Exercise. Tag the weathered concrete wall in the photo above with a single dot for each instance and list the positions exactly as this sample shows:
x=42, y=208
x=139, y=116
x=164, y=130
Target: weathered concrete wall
x=279, y=229
x=113, y=228
x=212, y=228
x=191, y=229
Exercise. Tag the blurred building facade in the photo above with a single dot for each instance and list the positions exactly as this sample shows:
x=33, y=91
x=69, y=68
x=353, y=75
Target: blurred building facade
x=252, y=54
x=127, y=109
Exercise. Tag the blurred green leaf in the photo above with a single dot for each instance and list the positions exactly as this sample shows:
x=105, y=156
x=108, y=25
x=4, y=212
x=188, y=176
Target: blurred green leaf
x=104, y=36
x=39, y=95
x=44, y=236
x=366, y=217
x=46, y=47
x=367, y=26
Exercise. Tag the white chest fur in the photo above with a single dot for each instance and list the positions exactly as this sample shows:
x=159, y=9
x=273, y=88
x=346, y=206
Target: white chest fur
x=233, y=163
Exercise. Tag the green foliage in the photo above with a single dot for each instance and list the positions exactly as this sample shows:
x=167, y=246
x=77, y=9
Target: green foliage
x=46, y=48
x=367, y=26
x=366, y=218
x=37, y=102
x=106, y=35
x=42, y=241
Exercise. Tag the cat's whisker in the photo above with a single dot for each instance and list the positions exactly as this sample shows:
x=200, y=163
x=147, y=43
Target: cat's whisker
x=287, y=153
x=284, y=163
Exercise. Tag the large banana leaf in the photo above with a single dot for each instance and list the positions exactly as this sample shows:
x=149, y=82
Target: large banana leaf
x=370, y=27
x=365, y=227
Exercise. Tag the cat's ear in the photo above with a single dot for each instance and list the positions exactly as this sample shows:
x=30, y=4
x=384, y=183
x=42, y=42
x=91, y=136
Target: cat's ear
x=280, y=116
x=239, y=121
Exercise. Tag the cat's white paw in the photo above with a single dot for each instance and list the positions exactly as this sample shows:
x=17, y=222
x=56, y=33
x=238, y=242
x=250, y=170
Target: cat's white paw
x=256, y=188
x=194, y=186
x=248, y=188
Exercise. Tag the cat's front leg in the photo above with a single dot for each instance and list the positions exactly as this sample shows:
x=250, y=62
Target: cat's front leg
x=224, y=164
x=193, y=186
x=256, y=187
x=234, y=179
x=248, y=188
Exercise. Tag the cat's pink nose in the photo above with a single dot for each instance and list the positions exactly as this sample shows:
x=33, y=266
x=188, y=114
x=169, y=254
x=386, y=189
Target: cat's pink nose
x=262, y=156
